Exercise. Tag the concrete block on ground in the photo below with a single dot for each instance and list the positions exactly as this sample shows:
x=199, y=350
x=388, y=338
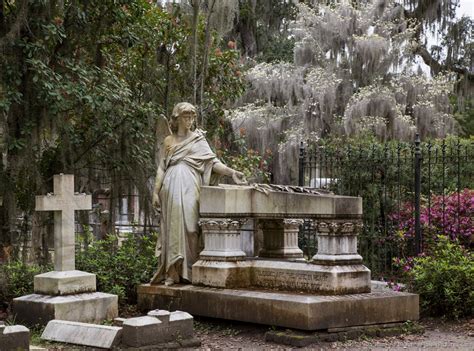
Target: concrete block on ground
x=64, y=283
x=93, y=335
x=88, y=308
x=14, y=337
x=142, y=331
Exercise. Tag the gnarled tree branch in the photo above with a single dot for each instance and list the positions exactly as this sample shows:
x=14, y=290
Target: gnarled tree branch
x=437, y=67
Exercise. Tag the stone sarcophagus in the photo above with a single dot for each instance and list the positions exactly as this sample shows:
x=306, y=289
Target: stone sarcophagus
x=336, y=269
x=277, y=285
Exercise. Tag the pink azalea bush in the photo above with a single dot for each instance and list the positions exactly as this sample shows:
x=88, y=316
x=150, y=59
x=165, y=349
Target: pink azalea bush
x=457, y=221
x=452, y=216
x=447, y=234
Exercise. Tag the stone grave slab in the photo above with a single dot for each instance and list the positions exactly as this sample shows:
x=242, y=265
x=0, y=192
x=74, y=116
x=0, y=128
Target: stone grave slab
x=89, y=307
x=14, y=337
x=93, y=335
x=291, y=310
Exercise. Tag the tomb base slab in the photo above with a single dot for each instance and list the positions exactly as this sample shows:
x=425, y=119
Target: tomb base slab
x=89, y=308
x=221, y=274
x=283, y=275
x=290, y=310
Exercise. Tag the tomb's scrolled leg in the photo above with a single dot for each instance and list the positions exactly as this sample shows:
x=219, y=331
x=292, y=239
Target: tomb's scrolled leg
x=337, y=242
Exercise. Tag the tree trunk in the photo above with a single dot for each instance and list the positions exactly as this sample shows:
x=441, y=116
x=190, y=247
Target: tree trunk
x=194, y=44
x=247, y=28
x=205, y=62
x=2, y=19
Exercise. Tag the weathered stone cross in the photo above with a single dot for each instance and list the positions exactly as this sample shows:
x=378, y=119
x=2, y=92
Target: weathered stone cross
x=64, y=202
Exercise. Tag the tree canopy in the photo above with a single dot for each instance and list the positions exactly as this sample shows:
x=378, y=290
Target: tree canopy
x=82, y=82
x=362, y=67
x=80, y=89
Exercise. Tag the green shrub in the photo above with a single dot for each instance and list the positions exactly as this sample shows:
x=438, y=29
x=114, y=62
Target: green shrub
x=16, y=279
x=120, y=268
x=444, y=280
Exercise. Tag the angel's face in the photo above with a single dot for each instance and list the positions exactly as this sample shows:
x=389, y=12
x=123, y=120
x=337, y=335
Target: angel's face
x=186, y=120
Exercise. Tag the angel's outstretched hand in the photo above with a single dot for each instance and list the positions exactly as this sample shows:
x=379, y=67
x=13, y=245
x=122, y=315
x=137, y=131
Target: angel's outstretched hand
x=239, y=178
x=156, y=200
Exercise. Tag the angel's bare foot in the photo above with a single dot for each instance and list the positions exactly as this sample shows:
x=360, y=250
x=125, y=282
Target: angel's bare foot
x=169, y=281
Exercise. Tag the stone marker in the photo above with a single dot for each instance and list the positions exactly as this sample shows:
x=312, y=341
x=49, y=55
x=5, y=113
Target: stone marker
x=65, y=293
x=64, y=280
x=64, y=202
x=14, y=337
x=159, y=326
x=93, y=335
x=160, y=329
x=141, y=331
x=181, y=324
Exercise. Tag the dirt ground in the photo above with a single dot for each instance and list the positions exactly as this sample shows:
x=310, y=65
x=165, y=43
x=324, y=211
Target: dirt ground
x=439, y=335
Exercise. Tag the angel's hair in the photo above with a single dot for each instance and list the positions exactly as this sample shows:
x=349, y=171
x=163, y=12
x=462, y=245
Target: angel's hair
x=177, y=111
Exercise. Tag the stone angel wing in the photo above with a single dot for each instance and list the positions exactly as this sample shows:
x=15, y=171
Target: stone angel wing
x=162, y=130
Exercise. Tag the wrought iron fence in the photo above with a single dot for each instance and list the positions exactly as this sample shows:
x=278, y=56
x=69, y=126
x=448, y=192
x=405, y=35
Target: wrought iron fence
x=410, y=191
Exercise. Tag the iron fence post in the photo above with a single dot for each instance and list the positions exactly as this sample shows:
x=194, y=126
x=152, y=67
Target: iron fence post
x=301, y=165
x=418, y=159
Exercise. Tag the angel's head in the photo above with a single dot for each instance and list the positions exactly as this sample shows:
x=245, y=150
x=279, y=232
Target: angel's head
x=183, y=113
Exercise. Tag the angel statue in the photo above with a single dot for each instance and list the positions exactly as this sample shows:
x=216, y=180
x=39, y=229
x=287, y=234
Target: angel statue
x=186, y=162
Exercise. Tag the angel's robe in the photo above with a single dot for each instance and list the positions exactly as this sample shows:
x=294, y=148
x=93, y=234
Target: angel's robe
x=187, y=166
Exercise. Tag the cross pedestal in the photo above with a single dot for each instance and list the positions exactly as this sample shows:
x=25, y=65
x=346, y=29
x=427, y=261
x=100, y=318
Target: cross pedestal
x=65, y=293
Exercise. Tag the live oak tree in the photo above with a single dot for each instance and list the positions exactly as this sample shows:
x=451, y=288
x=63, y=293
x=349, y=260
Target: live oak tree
x=81, y=86
x=361, y=67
